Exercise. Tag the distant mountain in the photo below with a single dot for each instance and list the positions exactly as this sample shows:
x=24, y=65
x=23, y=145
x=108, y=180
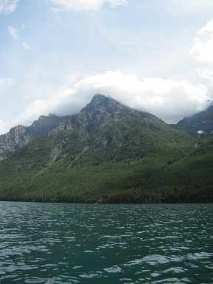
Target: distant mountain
x=201, y=122
x=107, y=152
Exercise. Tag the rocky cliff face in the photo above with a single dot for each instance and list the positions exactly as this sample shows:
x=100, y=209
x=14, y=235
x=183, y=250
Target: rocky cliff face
x=20, y=136
x=15, y=138
x=104, y=128
x=106, y=152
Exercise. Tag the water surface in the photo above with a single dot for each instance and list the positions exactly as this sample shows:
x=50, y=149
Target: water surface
x=67, y=243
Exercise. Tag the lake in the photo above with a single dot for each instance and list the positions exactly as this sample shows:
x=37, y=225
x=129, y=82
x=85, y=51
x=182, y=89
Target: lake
x=73, y=243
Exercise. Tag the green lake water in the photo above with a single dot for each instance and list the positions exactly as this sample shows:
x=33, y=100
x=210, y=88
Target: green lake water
x=73, y=243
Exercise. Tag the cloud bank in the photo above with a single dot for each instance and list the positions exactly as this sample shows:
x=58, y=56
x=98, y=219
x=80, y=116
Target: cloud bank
x=170, y=100
x=86, y=4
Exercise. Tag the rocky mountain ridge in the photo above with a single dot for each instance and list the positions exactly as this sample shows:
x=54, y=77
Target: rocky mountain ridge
x=107, y=152
x=94, y=116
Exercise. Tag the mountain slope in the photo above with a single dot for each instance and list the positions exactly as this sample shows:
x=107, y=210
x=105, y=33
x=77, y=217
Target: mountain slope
x=104, y=129
x=106, y=153
x=20, y=136
x=107, y=130
x=163, y=177
x=200, y=122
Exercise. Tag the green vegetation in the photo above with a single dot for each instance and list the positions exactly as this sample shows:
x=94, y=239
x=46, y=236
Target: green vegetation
x=113, y=155
x=166, y=177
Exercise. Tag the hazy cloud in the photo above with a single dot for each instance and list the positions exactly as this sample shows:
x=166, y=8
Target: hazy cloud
x=191, y=6
x=8, y=6
x=14, y=33
x=201, y=52
x=25, y=45
x=203, y=45
x=47, y=68
x=5, y=126
x=170, y=100
x=86, y=4
x=5, y=83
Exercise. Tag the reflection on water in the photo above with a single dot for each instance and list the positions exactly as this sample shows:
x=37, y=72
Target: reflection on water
x=66, y=243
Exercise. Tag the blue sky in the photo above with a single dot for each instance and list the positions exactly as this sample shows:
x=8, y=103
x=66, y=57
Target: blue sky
x=149, y=54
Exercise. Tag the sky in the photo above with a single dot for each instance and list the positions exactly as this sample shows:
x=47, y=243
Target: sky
x=152, y=55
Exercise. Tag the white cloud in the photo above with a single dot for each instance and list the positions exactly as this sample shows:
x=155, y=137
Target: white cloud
x=8, y=6
x=202, y=49
x=5, y=126
x=201, y=53
x=87, y=4
x=170, y=100
x=25, y=45
x=191, y=6
x=13, y=32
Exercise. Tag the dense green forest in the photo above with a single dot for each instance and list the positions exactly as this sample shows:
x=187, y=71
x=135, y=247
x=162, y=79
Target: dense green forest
x=110, y=154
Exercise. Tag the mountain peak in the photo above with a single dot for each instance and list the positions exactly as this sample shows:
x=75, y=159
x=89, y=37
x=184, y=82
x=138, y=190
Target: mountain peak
x=103, y=104
x=99, y=99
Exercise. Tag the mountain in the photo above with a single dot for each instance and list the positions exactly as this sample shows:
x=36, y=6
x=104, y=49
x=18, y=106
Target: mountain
x=15, y=138
x=107, y=152
x=201, y=122
x=104, y=126
x=20, y=136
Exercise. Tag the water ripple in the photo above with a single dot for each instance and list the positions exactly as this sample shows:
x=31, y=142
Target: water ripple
x=66, y=243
